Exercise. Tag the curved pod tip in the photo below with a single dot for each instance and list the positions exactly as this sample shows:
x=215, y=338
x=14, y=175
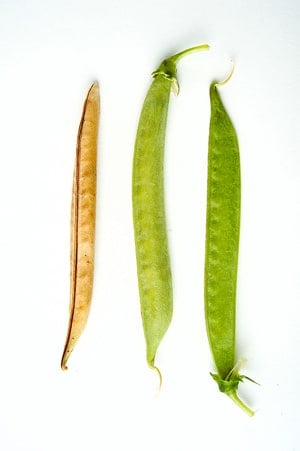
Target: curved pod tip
x=159, y=375
x=63, y=366
x=226, y=79
x=94, y=89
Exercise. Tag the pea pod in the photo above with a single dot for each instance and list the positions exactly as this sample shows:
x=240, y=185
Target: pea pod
x=222, y=245
x=83, y=221
x=151, y=242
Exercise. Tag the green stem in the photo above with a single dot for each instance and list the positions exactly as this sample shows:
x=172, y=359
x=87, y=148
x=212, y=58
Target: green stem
x=197, y=48
x=167, y=68
x=229, y=387
x=233, y=395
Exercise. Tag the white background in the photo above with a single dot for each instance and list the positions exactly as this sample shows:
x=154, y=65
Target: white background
x=50, y=52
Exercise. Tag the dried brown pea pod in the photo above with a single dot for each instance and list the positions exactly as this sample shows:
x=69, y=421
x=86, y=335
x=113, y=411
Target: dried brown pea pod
x=83, y=216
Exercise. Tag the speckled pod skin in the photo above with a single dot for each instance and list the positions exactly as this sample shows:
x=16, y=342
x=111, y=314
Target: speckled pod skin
x=222, y=234
x=153, y=262
x=83, y=217
x=151, y=241
x=222, y=246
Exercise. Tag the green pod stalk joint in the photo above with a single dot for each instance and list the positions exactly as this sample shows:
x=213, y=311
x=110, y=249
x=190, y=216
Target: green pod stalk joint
x=168, y=68
x=229, y=387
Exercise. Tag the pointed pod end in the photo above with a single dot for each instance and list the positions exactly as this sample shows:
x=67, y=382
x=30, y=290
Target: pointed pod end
x=159, y=375
x=228, y=77
x=64, y=366
x=93, y=91
x=95, y=85
x=155, y=368
x=63, y=363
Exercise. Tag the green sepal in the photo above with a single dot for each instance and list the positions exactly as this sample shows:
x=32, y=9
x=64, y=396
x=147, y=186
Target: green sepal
x=167, y=69
x=227, y=386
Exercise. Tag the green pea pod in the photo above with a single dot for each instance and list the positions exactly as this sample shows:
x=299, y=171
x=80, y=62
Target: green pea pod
x=151, y=242
x=222, y=245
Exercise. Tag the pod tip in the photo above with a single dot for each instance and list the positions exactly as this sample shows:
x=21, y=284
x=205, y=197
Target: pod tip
x=63, y=363
x=64, y=366
x=94, y=90
x=159, y=375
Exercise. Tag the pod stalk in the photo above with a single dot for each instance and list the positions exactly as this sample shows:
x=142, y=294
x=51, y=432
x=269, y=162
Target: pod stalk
x=233, y=395
x=197, y=48
x=229, y=387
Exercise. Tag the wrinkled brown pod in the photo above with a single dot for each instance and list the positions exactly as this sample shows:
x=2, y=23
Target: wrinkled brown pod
x=83, y=221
